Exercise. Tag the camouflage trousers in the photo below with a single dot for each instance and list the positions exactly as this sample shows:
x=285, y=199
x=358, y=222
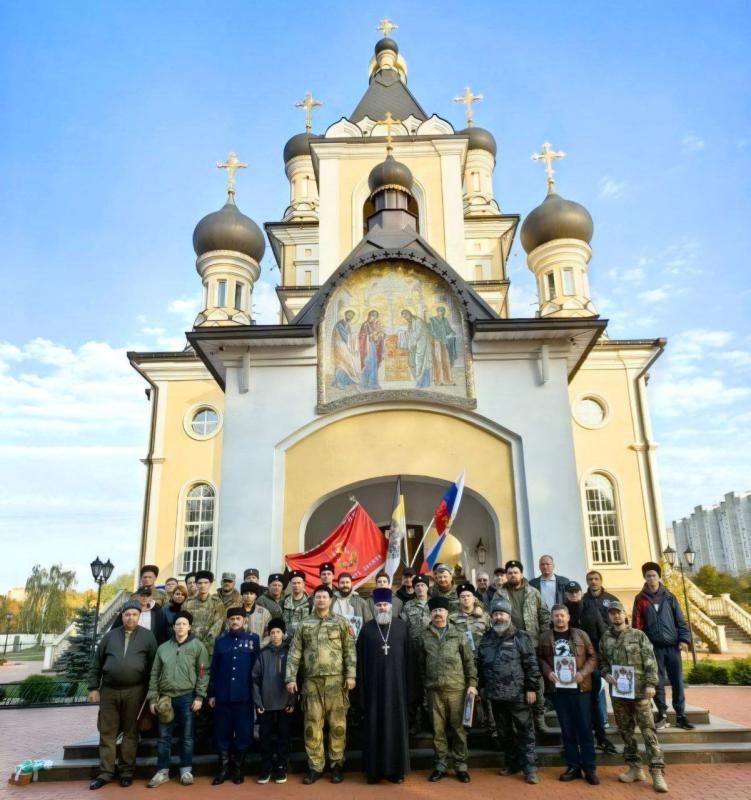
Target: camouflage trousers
x=446, y=710
x=325, y=701
x=628, y=714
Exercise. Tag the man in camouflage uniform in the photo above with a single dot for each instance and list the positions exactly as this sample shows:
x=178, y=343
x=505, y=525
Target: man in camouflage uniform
x=295, y=604
x=624, y=646
x=148, y=575
x=227, y=592
x=417, y=616
x=450, y=675
x=325, y=646
x=444, y=585
x=207, y=611
x=472, y=619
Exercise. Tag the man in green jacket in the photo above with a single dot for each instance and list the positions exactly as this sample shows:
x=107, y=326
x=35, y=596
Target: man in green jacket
x=325, y=646
x=179, y=679
x=628, y=664
x=450, y=676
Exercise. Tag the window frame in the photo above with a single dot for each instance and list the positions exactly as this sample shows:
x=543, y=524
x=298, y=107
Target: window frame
x=191, y=413
x=623, y=562
x=182, y=535
x=597, y=399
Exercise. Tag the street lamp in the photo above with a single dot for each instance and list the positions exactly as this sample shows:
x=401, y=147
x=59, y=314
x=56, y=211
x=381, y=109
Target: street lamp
x=671, y=556
x=101, y=573
x=8, y=620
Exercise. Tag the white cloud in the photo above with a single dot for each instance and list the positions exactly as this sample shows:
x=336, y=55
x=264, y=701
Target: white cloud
x=678, y=397
x=654, y=295
x=611, y=189
x=736, y=358
x=184, y=305
x=691, y=143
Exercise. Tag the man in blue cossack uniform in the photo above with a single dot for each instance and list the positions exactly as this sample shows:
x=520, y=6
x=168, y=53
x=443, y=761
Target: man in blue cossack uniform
x=231, y=695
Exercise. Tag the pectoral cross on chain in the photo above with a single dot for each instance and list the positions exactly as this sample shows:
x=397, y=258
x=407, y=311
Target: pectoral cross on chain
x=385, y=647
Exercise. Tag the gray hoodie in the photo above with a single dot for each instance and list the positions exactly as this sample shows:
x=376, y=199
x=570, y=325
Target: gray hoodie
x=269, y=684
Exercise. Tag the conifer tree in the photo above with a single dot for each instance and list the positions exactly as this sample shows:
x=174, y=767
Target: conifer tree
x=75, y=662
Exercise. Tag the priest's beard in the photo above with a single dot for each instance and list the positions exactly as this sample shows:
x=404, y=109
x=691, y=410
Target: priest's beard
x=501, y=627
x=383, y=618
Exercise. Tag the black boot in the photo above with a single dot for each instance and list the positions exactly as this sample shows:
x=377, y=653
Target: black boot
x=224, y=768
x=238, y=768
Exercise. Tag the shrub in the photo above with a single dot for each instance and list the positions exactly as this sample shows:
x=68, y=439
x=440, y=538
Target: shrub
x=740, y=672
x=709, y=672
x=36, y=689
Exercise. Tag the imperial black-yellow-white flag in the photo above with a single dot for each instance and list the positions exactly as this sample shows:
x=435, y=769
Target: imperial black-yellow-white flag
x=397, y=532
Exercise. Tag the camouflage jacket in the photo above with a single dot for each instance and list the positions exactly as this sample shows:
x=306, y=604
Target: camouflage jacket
x=450, y=595
x=159, y=596
x=446, y=662
x=535, y=614
x=472, y=625
x=268, y=602
x=629, y=648
x=208, y=618
x=234, y=598
x=294, y=612
x=257, y=621
x=325, y=646
x=417, y=617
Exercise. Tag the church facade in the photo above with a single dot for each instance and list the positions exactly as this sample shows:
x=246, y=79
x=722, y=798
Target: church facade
x=396, y=354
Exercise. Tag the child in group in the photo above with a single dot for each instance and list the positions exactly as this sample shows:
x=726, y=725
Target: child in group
x=274, y=704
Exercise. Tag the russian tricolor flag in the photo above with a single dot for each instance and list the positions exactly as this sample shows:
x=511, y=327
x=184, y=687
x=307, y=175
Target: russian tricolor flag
x=442, y=519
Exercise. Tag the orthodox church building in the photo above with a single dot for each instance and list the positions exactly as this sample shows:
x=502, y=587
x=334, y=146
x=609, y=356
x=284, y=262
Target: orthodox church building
x=396, y=354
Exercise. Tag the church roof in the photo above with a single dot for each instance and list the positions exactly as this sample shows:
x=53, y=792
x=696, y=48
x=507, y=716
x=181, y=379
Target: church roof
x=387, y=92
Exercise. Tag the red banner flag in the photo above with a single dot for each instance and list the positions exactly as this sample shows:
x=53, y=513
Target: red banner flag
x=357, y=546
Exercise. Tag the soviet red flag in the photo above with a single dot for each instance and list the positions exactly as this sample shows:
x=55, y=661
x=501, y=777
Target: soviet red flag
x=356, y=546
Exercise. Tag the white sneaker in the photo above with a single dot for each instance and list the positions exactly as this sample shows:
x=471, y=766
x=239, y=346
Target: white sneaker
x=160, y=777
x=186, y=778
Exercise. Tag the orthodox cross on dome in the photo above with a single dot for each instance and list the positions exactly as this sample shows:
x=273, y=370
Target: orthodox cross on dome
x=389, y=122
x=308, y=103
x=386, y=25
x=468, y=98
x=231, y=165
x=548, y=156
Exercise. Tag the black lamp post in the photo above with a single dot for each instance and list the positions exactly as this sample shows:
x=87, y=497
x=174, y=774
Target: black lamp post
x=8, y=620
x=671, y=556
x=101, y=572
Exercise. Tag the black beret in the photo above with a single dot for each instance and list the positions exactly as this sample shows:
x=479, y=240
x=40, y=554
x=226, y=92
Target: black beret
x=186, y=614
x=327, y=565
x=205, y=574
x=517, y=564
x=323, y=588
x=297, y=573
x=149, y=568
x=277, y=623
x=421, y=579
x=464, y=587
x=645, y=568
x=235, y=611
x=438, y=602
x=276, y=576
x=250, y=588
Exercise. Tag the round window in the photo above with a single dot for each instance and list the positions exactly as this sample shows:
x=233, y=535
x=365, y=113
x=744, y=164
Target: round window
x=205, y=421
x=590, y=412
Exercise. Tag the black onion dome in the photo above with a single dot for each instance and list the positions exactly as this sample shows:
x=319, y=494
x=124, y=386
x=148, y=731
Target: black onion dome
x=386, y=44
x=229, y=229
x=556, y=218
x=480, y=139
x=298, y=145
x=390, y=173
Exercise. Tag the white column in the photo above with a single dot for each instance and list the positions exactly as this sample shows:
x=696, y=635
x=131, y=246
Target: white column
x=452, y=155
x=329, y=212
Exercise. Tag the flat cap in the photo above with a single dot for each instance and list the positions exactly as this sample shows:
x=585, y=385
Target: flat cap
x=443, y=568
x=131, y=604
x=229, y=576
x=616, y=605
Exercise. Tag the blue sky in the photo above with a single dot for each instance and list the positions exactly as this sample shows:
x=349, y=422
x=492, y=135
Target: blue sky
x=115, y=114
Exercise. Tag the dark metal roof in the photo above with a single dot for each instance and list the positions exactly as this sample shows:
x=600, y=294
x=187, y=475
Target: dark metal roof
x=387, y=92
x=556, y=218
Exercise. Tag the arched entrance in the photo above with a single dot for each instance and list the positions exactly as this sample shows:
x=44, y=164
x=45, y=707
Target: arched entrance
x=475, y=521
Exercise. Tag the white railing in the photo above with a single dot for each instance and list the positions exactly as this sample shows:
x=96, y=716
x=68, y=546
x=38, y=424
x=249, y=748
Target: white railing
x=712, y=633
x=739, y=615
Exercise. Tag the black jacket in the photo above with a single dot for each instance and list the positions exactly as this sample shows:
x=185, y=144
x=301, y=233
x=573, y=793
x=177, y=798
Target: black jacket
x=159, y=626
x=269, y=682
x=507, y=665
x=660, y=617
x=601, y=603
x=560, y=584
x=588, y=619
x=115, y=669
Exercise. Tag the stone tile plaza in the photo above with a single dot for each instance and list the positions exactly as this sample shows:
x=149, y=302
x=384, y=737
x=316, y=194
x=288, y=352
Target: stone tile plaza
x=392, y=512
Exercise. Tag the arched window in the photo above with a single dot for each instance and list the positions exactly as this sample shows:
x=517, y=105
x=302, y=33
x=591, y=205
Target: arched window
x=602, y=518
x=199, y=528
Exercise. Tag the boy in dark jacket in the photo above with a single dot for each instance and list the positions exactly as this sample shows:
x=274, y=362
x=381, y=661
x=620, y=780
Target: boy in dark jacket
x=274, y=704
x=509, y=675
x=657, y=613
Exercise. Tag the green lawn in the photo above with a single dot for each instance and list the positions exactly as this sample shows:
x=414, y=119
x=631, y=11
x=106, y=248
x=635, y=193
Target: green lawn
x=35, y=653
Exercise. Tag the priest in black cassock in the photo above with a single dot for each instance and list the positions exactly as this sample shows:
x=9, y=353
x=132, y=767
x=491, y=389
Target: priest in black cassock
x=384, y=665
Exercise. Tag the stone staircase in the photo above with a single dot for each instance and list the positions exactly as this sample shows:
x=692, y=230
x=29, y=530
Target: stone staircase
x=713, y=741
x=719, y=621
x=738, y=641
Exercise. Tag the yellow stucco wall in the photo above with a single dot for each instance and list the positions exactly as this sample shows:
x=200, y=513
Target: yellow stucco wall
x=608, y=449
x=406, y=442
x=186, y=461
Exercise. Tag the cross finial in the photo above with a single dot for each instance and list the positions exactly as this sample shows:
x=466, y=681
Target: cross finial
x=468, y=98
x=548, y=156
x=386, y=25
x=308, y=103
x=389, y=122
x=231, y=165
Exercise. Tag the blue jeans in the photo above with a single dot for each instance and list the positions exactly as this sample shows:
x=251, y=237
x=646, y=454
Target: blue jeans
x=184, y=718
x=575, y=718
x=670, y=670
